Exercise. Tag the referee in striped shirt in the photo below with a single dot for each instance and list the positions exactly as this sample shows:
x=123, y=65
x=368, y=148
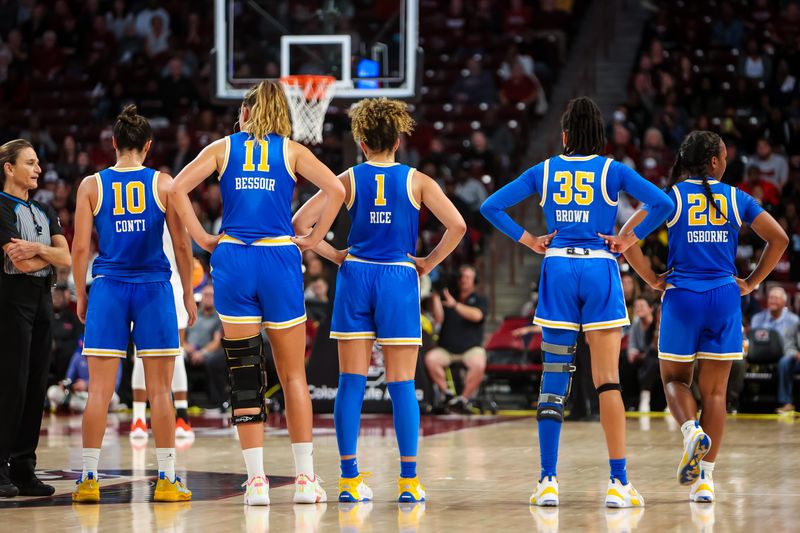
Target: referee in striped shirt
x=33, y=244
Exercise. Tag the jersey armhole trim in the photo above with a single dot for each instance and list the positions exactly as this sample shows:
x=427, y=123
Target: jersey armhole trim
x=99, y=181
x=225, y=160
x=603, y=188
x=544, y=182
x=155, y=192
x=286, y=159
x=735, y=207
x=410, y=188
x=678, y=205
x=352, y=188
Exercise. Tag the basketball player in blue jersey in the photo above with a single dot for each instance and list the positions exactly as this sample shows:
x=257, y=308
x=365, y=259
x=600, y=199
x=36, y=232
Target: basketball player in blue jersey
x=256, y=269
x=128, y=206
x=580, y=286
x=701, y=318
x=377, y=287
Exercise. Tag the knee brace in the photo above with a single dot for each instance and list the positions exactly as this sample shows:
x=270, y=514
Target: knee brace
x=551, y=403
x=245, y=361
x=607, y=387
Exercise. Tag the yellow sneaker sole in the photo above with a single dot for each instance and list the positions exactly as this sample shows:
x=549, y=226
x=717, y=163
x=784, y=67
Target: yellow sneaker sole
x=164, y=496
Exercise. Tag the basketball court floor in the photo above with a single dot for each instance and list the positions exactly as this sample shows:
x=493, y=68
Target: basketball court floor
x=479, y=472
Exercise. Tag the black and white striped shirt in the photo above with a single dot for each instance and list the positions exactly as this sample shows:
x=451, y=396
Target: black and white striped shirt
x=30, y=221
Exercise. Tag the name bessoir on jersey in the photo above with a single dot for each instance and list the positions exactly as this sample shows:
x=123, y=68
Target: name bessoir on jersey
x=254, y=182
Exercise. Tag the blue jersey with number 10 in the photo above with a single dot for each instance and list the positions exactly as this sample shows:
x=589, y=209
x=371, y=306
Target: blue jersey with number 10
x=129, y=218
x=383, y=211
x=703, y=240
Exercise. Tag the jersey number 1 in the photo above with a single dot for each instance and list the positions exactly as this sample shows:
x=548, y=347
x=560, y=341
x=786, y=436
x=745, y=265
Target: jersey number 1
x=248, y=156
x=380, y=199
x=134, y=196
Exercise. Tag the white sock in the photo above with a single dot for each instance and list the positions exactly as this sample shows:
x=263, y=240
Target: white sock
x=180, y=382
x=166, y=462
x=644, y=400
x=137, y=378
x=181, y=404
x=254, y=461
x=687, y=428
x=91, y=456
x=139, y=411
x=303, y=458
x=707, y=467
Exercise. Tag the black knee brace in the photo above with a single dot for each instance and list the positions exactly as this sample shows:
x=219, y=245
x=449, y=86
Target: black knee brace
x=608, y=386
x=245, y=360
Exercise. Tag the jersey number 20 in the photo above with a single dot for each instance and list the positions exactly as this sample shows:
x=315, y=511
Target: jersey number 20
x=134, y=196
x=577, y=187
x=701, y=215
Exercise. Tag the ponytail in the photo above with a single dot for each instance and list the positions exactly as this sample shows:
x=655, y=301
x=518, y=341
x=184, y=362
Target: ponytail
x=694, y=158
x=269, y=111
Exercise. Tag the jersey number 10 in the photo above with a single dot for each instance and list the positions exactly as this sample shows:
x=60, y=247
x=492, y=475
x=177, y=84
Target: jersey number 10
x=577, y=187
x=134, y=196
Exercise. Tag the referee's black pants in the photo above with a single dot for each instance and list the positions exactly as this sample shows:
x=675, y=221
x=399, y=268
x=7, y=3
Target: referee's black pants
x=26, y=308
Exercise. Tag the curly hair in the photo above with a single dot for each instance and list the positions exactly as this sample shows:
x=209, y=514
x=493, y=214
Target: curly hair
x=378, y=122
x=583, y=124
x=131, y=131
x=269, y=111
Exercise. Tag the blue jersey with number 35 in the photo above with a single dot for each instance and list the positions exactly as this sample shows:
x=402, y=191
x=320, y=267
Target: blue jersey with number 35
x=703, y=240
x=129, y=218
x=384, y=213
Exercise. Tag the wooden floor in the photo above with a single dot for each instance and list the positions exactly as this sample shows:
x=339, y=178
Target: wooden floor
x=479, y=473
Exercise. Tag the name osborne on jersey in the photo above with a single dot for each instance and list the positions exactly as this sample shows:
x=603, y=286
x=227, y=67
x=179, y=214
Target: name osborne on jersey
x=569, y=215
x=255, y=182
x=706, y=236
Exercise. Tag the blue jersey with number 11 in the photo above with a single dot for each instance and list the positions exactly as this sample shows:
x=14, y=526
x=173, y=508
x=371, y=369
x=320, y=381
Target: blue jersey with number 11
x=129, y=218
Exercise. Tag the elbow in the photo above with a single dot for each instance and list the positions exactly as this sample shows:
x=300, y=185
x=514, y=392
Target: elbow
x=459, y=228
x=336, y=192
x=487, y=210
x=65, y=261
x=300, y=228
x=781, y=241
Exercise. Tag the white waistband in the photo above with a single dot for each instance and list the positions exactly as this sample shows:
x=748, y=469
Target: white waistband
x=573, y=252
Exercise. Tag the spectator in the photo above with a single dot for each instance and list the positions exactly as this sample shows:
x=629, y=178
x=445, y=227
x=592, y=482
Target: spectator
x=735, y=168
x=156, y=42
x=176, y=89
x=771, y=166
x=47, y=59
x=727, y=30
x=655, y=157
x=144, y=20
x=517, y=18
x=778, y=318
x=185, y=152
x=73, y=391
x=754, y=65
x=203, y=346
x=642, y=351
x=460, y=338
x=471, y=190
x=630, y=290
x=66, y=329
x=519, y=87
x=760, y=189
x=475, y=86
x=119, y=18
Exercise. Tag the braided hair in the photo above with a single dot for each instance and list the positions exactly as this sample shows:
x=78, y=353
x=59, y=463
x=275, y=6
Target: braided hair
x=694, y=158
x=583, y=124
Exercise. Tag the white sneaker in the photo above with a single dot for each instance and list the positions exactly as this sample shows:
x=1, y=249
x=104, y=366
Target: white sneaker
x=703, y=488
x=695, y=447
x=309, y=490
x=256, y=491
x=546, y=494
x=620, y=496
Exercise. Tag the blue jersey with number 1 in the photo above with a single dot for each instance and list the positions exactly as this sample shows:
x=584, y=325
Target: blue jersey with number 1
x=129, y=218
x=384, y=213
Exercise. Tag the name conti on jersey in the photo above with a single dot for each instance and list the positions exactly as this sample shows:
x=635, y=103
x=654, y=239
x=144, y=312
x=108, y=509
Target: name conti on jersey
x=130, y=226
x=570, y=215
x=707, y=236
x=245, y=183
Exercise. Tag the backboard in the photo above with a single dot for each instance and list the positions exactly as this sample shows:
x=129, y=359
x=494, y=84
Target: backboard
x=369, y=46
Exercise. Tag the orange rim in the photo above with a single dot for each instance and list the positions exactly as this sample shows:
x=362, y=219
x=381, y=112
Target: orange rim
x=314, y=85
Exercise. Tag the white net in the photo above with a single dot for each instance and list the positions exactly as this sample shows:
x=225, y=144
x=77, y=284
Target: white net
x=309, y=97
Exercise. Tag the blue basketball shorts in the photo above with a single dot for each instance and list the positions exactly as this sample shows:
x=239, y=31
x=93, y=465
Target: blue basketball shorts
x=701, y=325
x=258, y=284
x=114, y=305
x=580, y=293
x=377, y=301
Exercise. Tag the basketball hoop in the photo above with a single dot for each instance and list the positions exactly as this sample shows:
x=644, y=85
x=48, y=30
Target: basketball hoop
x=308, y=96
